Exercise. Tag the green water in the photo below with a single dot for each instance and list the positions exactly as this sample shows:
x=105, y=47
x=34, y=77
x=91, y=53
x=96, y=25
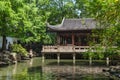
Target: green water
x=34, y=70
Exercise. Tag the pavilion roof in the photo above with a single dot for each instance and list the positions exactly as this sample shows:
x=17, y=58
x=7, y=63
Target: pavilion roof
x=73, y=25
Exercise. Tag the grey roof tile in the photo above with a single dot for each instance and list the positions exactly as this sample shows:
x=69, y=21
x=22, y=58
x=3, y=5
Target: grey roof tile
x=74, y=24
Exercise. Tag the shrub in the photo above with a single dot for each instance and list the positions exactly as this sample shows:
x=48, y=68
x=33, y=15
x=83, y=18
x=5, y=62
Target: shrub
x=19, y=49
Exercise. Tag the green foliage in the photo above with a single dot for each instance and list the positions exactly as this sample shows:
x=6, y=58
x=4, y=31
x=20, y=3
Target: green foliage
x=7, y=17
x=19, y=49
x=23, y=19
x=107, y=14
x=101, y=52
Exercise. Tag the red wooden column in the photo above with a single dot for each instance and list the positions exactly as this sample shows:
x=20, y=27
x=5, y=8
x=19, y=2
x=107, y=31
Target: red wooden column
x=73, y=40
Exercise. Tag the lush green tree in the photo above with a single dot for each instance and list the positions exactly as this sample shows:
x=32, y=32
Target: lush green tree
x=7, y=20
x=107, y=14
x=24, y=19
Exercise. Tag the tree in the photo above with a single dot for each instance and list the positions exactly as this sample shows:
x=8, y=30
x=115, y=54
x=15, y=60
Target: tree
x=7, y=19
x=24, y=19
x=107, y=13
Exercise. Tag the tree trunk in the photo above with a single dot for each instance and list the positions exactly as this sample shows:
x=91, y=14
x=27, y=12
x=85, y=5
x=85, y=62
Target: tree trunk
x=4, y=42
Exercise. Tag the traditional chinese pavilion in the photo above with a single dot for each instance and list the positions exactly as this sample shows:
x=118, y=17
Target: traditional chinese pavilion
x=73, y=36
x=73, y=31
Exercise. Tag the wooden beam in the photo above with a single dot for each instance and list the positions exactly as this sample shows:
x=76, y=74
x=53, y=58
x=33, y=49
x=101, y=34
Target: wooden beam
x=58, y=57
x=74, y=58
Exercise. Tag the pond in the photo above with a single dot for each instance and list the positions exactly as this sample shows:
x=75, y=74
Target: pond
x=34, y=70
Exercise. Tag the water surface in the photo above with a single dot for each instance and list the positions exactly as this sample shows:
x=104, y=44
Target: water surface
x=63, y=71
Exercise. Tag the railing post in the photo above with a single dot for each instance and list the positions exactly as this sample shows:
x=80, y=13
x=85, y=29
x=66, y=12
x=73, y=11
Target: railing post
x=73, y=48
x=58, y=48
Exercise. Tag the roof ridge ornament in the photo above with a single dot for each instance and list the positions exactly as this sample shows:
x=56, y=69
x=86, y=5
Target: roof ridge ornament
x=63, y=20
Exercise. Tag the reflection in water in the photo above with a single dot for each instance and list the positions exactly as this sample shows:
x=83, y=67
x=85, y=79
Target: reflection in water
x=62, y=71
x=73, y=72
x=14, y=69
x=76, y=72
x=31, y=62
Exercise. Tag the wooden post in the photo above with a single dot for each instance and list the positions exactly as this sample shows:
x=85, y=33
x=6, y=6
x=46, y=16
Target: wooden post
x=43, y=57
x=58, y=57
x=107, y=61
x=73, y=58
